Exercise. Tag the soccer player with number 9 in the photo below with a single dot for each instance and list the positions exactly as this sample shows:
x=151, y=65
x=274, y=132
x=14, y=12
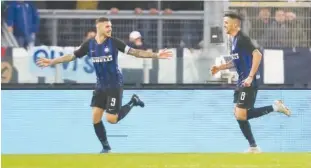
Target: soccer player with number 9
x=103, y=51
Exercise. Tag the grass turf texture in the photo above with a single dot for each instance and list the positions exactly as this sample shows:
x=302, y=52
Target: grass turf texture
x=191, y=160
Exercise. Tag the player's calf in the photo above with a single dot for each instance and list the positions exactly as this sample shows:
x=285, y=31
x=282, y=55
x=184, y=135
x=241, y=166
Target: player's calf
x=277, y=106
x=135, y=101
x=241, y=116
x=114, y=115
x=100, y=128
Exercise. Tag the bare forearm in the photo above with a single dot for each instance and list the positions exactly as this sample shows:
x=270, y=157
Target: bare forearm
x=142, y=53
x=226, y=66
x=65, y=58
x=256, y=62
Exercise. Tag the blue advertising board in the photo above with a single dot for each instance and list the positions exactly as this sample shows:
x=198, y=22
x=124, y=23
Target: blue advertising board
x=59, y=121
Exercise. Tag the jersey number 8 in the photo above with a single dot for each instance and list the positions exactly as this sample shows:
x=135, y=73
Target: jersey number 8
x=242, y=96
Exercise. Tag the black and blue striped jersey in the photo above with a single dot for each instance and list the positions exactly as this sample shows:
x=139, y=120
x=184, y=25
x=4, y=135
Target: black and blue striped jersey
x=105, y=60
x=242, y=48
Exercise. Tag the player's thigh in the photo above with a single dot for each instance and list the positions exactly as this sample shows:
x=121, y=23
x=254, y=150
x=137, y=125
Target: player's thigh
x=240, y=113
x=98, y=104
x=235, y=100
x=97, y=114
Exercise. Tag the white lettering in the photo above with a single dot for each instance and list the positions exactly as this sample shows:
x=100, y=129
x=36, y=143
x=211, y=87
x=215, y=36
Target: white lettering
x=102, y=59
x=235, y=56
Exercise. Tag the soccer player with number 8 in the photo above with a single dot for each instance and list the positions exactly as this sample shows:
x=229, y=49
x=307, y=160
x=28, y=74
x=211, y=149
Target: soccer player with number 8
x=246, y=59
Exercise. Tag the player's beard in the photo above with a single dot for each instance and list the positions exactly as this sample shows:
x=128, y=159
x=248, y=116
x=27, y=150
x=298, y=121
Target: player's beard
x=108, y=34
x=227, y=30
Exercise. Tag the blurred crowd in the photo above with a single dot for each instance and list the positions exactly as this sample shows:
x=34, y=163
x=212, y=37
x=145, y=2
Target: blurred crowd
x=278, y=27
x=270, y=27
x=22, y=19
x=176, y=33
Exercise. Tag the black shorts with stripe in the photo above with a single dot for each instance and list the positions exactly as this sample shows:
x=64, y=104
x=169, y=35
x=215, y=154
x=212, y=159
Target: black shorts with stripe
x=245, y=97
x=109, y=99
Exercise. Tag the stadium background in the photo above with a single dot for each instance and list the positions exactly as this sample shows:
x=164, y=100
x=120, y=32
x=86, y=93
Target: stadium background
x=187, y=110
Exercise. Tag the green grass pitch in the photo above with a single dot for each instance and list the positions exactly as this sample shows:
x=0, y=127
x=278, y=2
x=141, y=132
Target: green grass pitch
x=184, y=160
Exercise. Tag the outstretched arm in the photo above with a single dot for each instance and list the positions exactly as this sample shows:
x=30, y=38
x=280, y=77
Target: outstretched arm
x=45, y=62
x=80, y=52
x=142, y=53
x=165, y=54
x=65, y=58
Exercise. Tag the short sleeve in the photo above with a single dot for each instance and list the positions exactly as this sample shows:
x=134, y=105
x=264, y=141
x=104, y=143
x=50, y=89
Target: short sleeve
x=249, y=44
x=121, y=46
x=82, y=50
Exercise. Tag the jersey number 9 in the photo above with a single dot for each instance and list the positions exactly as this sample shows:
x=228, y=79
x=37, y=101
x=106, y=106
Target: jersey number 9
x=113, y=102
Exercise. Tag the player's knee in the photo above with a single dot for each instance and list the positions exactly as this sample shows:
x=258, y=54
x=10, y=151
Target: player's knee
x=241, y=117
x=240, y=114
x=112, y=119
x=96, y=120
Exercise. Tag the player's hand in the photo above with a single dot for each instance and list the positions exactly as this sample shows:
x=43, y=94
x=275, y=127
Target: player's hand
x=247, y=82
x=215, y=69
x=44, y=62
x=165, y=54
x=10, y=29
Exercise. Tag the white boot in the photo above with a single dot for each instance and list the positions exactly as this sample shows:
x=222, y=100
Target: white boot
x=279, y=106
x=253, y=150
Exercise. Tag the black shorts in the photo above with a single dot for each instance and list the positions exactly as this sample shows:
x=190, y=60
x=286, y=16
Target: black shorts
x=245, y=97
x=109, y=100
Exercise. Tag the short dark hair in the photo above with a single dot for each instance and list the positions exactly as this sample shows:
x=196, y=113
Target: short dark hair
x=233, y=15
x=102, y=19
